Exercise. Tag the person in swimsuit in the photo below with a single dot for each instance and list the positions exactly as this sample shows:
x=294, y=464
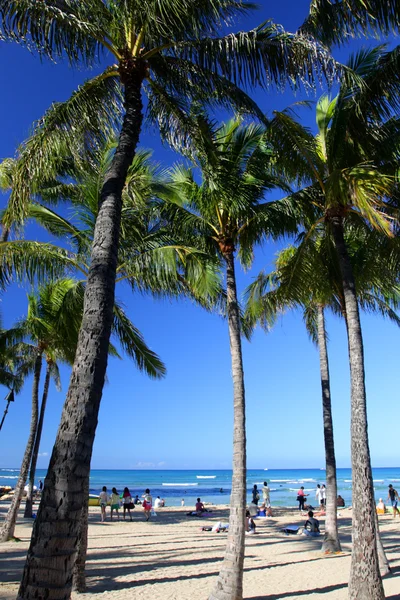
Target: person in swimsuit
x=393, y=496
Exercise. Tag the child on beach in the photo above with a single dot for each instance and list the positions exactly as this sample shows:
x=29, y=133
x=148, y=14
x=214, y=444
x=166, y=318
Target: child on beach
x=249, y=523
x=115, y=503
x=127, y=502
x=147, y=504
x=103, y=501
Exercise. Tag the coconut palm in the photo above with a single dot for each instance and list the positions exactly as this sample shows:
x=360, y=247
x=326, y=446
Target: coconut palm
x=336, y=21
x=348, y=171
x=171, y=50
x=309, y=277
x=52, y=324
x=226, y=212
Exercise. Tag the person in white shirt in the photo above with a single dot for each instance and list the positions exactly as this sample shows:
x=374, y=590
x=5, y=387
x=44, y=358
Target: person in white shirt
x=157, y=502
x=318, y=494
x=265, y=492
x=103, y=501
x=323, y=496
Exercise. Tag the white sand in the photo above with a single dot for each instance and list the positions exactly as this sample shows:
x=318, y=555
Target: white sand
x=169, y=558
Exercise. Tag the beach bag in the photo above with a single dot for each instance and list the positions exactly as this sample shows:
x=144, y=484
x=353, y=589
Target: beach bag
x=299, y=498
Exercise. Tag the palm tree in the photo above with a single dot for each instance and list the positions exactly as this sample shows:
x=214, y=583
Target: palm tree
x=336, y=21
x=52, y=325
x=226, y=213
x=349, y=169
x=170, y=50
x=309, y=276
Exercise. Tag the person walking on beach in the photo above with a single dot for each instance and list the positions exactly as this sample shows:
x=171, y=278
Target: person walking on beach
x=393, y=496
x=127, y=503
x=256, y=495
x=301, y=497
x=147, y=504
x=115, y=503
x=40, y=485
x=103, y=501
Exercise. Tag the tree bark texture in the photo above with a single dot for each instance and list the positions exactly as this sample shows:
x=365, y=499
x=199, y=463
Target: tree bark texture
x=79, y=578
x=331, y=541
x=229, y=584
x=5, y=234
x=35, y=453
x=365, y=580
x=52, y=552
x=8, y=527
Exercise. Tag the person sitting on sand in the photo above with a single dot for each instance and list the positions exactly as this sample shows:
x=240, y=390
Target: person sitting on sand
x=199, y=508
x=162, y=502
x=103, y=501
x=157, y=502
x=340, y=502
x=127, y=503
x=136, y=500
x=311, y=526
x=380, y=507
x=115, y=504
x=253, y=509
x=249, y=524
x=264, y=511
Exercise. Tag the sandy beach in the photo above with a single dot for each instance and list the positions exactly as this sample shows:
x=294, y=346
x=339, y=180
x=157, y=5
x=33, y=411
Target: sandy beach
x=170, y=558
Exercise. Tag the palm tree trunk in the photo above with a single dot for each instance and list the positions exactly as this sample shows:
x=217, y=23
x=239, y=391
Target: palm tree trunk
x=365, y=579
x=229, y=585
x=8, y=527
x=79, y=578
x=35, y=453
x=331, y=541
x=49, y=564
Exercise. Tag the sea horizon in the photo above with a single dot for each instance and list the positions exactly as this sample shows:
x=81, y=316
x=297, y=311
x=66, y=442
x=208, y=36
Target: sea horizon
x=213, y=486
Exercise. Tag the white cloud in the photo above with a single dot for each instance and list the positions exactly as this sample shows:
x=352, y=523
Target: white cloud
x=43, y=453
x=161, y=463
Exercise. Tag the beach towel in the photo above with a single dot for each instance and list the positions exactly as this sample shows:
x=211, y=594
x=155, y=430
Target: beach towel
x=291, y=529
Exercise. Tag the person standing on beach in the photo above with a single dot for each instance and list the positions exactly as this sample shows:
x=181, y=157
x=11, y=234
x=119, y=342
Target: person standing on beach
x=40, y=485
x=318, y=494
x=323, y=496
x=256, y=495
x=301, y=497
x=127, y=503
x=393, y=496
x=147, y=504
x=266, y=494
x=115, y=503
x=103, y=501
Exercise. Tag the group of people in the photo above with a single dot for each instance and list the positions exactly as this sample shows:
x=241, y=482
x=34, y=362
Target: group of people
x=264, y=510
x=393, y=498
x=320, y=496
x=127, y=502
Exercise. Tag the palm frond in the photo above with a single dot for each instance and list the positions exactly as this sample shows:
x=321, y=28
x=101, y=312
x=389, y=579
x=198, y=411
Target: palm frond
x=134, y=345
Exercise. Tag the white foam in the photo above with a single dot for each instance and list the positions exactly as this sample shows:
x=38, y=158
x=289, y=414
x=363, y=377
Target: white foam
x=285, y=480
x=180, y=484
x=9, y=476
x=379, y=480
x=348, y=480
x=206, y=476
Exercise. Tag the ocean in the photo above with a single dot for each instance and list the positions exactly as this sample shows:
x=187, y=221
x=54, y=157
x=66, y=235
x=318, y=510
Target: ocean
x=214, y=485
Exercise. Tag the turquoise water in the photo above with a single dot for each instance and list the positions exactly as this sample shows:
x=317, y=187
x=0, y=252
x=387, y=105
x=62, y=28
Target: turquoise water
x=174, y=486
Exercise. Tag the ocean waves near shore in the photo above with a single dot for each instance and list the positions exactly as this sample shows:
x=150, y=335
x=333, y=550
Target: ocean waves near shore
x=214, y=486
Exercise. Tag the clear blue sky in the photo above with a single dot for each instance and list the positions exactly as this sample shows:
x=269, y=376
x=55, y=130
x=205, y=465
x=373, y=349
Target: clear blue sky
x=185, y=421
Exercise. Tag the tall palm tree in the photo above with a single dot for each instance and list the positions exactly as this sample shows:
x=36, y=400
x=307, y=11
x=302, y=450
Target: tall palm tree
x=226, y=212
x=171, y=50
x=52, y=324
x=348, y=171
x=308, y=276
